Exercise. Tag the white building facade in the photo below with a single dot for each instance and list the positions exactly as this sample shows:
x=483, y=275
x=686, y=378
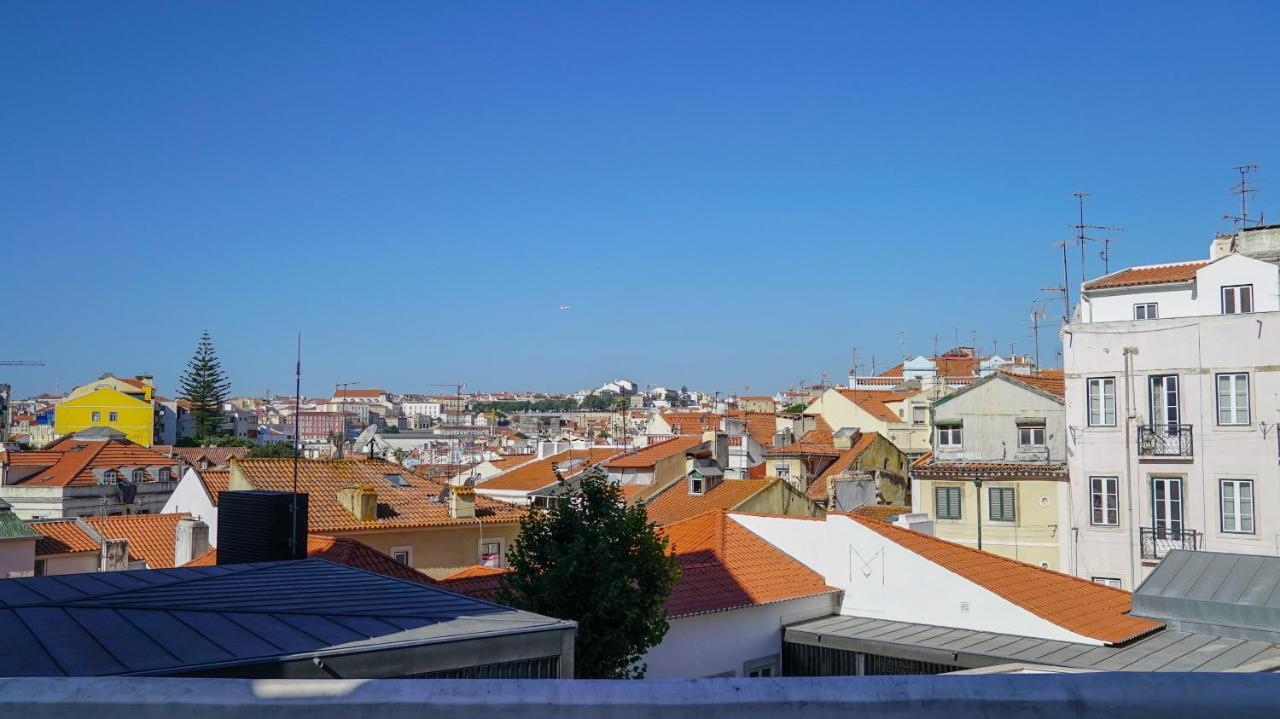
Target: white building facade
x=1172, y=402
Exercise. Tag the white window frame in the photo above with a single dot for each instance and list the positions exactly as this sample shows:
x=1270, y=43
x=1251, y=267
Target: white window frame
x=1110, y=505
x=757, y=667
x=950, y=435
x=139, y=475
x=1238, y=295
x=947, y=489
x=480, y=551
x=1240, y=509
x=1113, y=582
x=406, y=551
x=1237, y=415
x=993, y=502
x=1103, y=415
x=701, y=485
x=923, y=409
x=95, y=416
x=783, y=470
x=1146, y=311
x=1033, y=429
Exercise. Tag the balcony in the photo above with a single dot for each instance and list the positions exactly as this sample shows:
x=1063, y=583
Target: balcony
x=1164, y=440
x=1158, y=541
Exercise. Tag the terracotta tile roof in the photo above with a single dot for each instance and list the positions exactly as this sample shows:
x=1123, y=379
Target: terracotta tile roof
x=1004, y=470
x=880, y=512
x=815, y=441
x=651, y=455
x=1048, y=380
x=62, y=536
x=691, y=422
x=1148, y=275
x=343, y=550
x=922, y=460
x=724, y=566
x=478, y=581
x=675, y=504
x=399, y=507
x=218, y=456
x=760, y=425
x=1076, y=605
x=948, y=365
x=214, y=481
x=151, y=536
x=359, y=393
x=874, y=402
x=71, y=461
x=818, y=487
x=541, y=473
x=511, y=460
x=631, y=491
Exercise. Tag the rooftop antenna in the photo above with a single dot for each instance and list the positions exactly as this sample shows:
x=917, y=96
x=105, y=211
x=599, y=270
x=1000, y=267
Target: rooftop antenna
x=935, y=344
x=1064, y=289
x=297, y=446
x=902, y=342
x=853, y=358
x=1243, y=190
x=1082, y=238
x=1037, y=314
x=973, y=340
x=1105, y=254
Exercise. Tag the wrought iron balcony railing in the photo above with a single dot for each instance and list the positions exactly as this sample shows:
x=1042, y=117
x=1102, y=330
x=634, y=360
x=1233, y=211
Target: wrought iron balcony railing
x=1164, y=440
x=1158, y=541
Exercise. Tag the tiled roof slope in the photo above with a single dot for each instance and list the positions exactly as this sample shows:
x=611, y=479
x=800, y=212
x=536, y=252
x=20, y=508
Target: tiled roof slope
x=1048, y=380
x=692, y=422
x=342, y=550
x=13, y=528
x=62, y=536
x=479, y=582
x=1148, y=275
x=536, y=475
x=818, y=487
x=760, y=425
x=724, y=566
x=71, y=461
x=412, y=506
x=1076, y=605
x=219, y=456
x=675, y=504
x=880, y=512
x=874, y=402
x=511, y=460
x=214, y=481
x=651, y=455
x=151, y=536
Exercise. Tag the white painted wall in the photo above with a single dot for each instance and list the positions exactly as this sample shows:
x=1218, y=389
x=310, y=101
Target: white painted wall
x=721, y=642
x=190, y=497
x=1196, y=299
x=884, y=580
x=17, y=557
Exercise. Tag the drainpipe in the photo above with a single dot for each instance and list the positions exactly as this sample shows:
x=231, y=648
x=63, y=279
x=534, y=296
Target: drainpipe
x=1129, y=352
x=977, y=483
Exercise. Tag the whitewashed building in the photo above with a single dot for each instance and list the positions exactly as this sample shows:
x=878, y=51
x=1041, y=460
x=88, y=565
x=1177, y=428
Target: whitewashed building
x=1172, y=384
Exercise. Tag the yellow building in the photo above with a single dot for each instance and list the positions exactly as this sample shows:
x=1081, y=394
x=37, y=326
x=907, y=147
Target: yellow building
x=125, y=405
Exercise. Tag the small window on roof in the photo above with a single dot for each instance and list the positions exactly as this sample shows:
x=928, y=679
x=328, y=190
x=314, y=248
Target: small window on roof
x=397, y=479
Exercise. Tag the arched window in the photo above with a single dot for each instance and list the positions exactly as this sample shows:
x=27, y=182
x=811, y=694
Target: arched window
x=139, y=475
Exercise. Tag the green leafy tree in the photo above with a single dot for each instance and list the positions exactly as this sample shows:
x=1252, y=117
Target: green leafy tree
x=797, y=408
x=594, y=559
x=226, y=440
x=279, y=450
x=205, y=386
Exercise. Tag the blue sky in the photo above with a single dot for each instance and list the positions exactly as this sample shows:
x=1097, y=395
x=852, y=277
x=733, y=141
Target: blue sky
x=727, y=194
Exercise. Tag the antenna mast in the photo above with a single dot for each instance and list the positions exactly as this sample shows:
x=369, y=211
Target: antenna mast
x=1243, y=190
x=1082, y=238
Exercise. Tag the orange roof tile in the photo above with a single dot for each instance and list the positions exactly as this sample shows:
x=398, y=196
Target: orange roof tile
x=675, y=504
x=724, y=566
x=536, y=475
x=818, y=487
x=651, y=455
x=214, y=481
x=1148, y=275
x=359, y=393
x=880, y=512
x=1074, y=604
x=399, y=507
x=478, y=581
x=874, y=402
x=71, y=461
x=62, y=536
x=217, y=456
x=760, y=425
x=152, y=537
x=692, y=422
x=1049, y=380
x=343, y=550
x=511, y=460
x=1005, y=470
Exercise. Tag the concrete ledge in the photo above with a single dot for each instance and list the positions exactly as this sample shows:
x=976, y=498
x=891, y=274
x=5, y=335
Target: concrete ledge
x=1128, y=695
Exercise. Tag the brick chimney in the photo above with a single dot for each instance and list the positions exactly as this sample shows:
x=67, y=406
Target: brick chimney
x=462, y=502
x=362, y=502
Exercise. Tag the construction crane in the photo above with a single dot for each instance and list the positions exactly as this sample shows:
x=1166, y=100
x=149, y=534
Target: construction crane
x=21, y=363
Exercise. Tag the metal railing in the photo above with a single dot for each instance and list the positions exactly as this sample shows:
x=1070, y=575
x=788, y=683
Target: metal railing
x=1164, y=440
x=1158, y=541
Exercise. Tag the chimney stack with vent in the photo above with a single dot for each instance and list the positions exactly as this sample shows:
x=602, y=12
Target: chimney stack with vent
x=462, y=502
x=191, y=540
x=362, y=502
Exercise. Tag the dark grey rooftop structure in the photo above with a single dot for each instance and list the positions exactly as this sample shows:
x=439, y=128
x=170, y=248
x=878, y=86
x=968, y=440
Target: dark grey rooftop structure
x=1233, y=595
x=295, y=619
x=841, y=645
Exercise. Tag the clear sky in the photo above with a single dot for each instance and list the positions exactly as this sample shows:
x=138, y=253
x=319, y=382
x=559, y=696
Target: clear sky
x=726, y=194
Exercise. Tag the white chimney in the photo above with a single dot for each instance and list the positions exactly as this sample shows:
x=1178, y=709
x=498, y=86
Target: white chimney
x=191, y=540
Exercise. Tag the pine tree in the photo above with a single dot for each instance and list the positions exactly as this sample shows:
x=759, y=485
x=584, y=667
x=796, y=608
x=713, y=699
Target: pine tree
x=205, y=386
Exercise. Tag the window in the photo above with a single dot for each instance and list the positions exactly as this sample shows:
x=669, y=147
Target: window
x=113, y=416
x=1001, y=503
x=946, y=502
x=1145, y=311
x=695, y=485
x=40, y=568
x=1237, y=506
x=95, y=417
x=1104, y=501
x=1164, y=402
x=403, y=555
x=765, y=667
x=491, y=553
x=1031, y=436
x=163, y=474
x=1233, y=398
x=919, y=414
x=783, y=470
x=1102, y=402
x=1107, y=581
x=1237, y=299
x=1166, y=504
x=111, y=476
x=949, y=436
x=139, y=476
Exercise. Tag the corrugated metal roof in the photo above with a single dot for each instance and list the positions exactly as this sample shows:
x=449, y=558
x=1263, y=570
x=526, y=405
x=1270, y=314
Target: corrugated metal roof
x=181, y=620
x=1165, y=651
x=1236, y=595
